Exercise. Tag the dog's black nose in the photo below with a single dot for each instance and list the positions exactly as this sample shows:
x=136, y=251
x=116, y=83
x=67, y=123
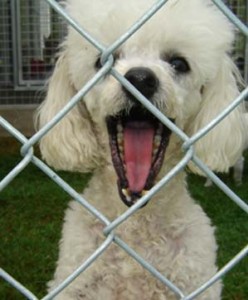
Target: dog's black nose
x=144, y=80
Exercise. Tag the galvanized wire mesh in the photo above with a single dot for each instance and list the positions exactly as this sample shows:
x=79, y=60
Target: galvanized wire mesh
x=111, y=237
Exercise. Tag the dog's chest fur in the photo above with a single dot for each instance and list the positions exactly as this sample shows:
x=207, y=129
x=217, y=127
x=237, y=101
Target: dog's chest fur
x=162, y=233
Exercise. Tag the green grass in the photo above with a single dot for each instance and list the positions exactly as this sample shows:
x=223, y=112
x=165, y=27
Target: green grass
x=231, y=230
x=31, y=214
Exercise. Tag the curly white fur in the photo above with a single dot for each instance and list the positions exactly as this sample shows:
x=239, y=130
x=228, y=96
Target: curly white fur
x=171, y=232
x=239, y=165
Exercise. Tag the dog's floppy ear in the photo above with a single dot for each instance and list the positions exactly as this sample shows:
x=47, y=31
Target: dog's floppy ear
x=70, y=145
x=222, y=146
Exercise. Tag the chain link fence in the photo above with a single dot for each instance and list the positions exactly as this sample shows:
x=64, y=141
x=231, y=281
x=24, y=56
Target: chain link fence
x=29, y=157
x=30, y=33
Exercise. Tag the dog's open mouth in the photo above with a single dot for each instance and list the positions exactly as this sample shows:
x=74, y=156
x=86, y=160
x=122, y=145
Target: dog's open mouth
x=138, y=142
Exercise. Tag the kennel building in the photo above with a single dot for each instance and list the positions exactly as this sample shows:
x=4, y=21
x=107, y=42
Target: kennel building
x=30, y=32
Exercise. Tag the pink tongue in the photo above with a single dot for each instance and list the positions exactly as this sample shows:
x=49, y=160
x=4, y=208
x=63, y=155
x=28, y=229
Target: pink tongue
x=138, y=146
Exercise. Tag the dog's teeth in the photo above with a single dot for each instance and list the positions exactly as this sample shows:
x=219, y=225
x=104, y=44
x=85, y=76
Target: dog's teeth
x=119, y=128
x=120, y=141
x=154, y=152
x=157, y=140
x=160, y=129
x=144, y=192
x=120, y=138
x=156, y=143
x=121, y=151
x=125, y=192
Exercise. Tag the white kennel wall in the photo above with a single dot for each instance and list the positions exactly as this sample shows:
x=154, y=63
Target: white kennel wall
x=30, y=32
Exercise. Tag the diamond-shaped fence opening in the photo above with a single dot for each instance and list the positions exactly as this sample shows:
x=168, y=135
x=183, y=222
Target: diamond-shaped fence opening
x=34, y=72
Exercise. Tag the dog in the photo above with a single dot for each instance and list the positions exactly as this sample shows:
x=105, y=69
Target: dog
x=238, y=170
x=179, y=60
x=239, y=165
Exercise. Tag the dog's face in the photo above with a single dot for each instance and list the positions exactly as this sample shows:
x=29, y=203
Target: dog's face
x=182, y=47
x=176, y=61
x=138, y=140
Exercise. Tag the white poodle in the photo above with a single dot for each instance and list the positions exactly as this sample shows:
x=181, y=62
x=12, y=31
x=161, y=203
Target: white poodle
x=180, y=61
x=239, y=165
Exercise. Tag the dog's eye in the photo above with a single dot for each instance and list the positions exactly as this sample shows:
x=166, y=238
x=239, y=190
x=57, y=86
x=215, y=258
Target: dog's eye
x=179, y=64
x=98, y=64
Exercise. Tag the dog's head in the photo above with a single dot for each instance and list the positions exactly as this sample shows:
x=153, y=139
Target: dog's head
x=179, y=60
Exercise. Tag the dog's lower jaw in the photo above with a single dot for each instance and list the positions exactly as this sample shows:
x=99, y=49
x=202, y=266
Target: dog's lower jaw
x=138, y=143
x=130, y=197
